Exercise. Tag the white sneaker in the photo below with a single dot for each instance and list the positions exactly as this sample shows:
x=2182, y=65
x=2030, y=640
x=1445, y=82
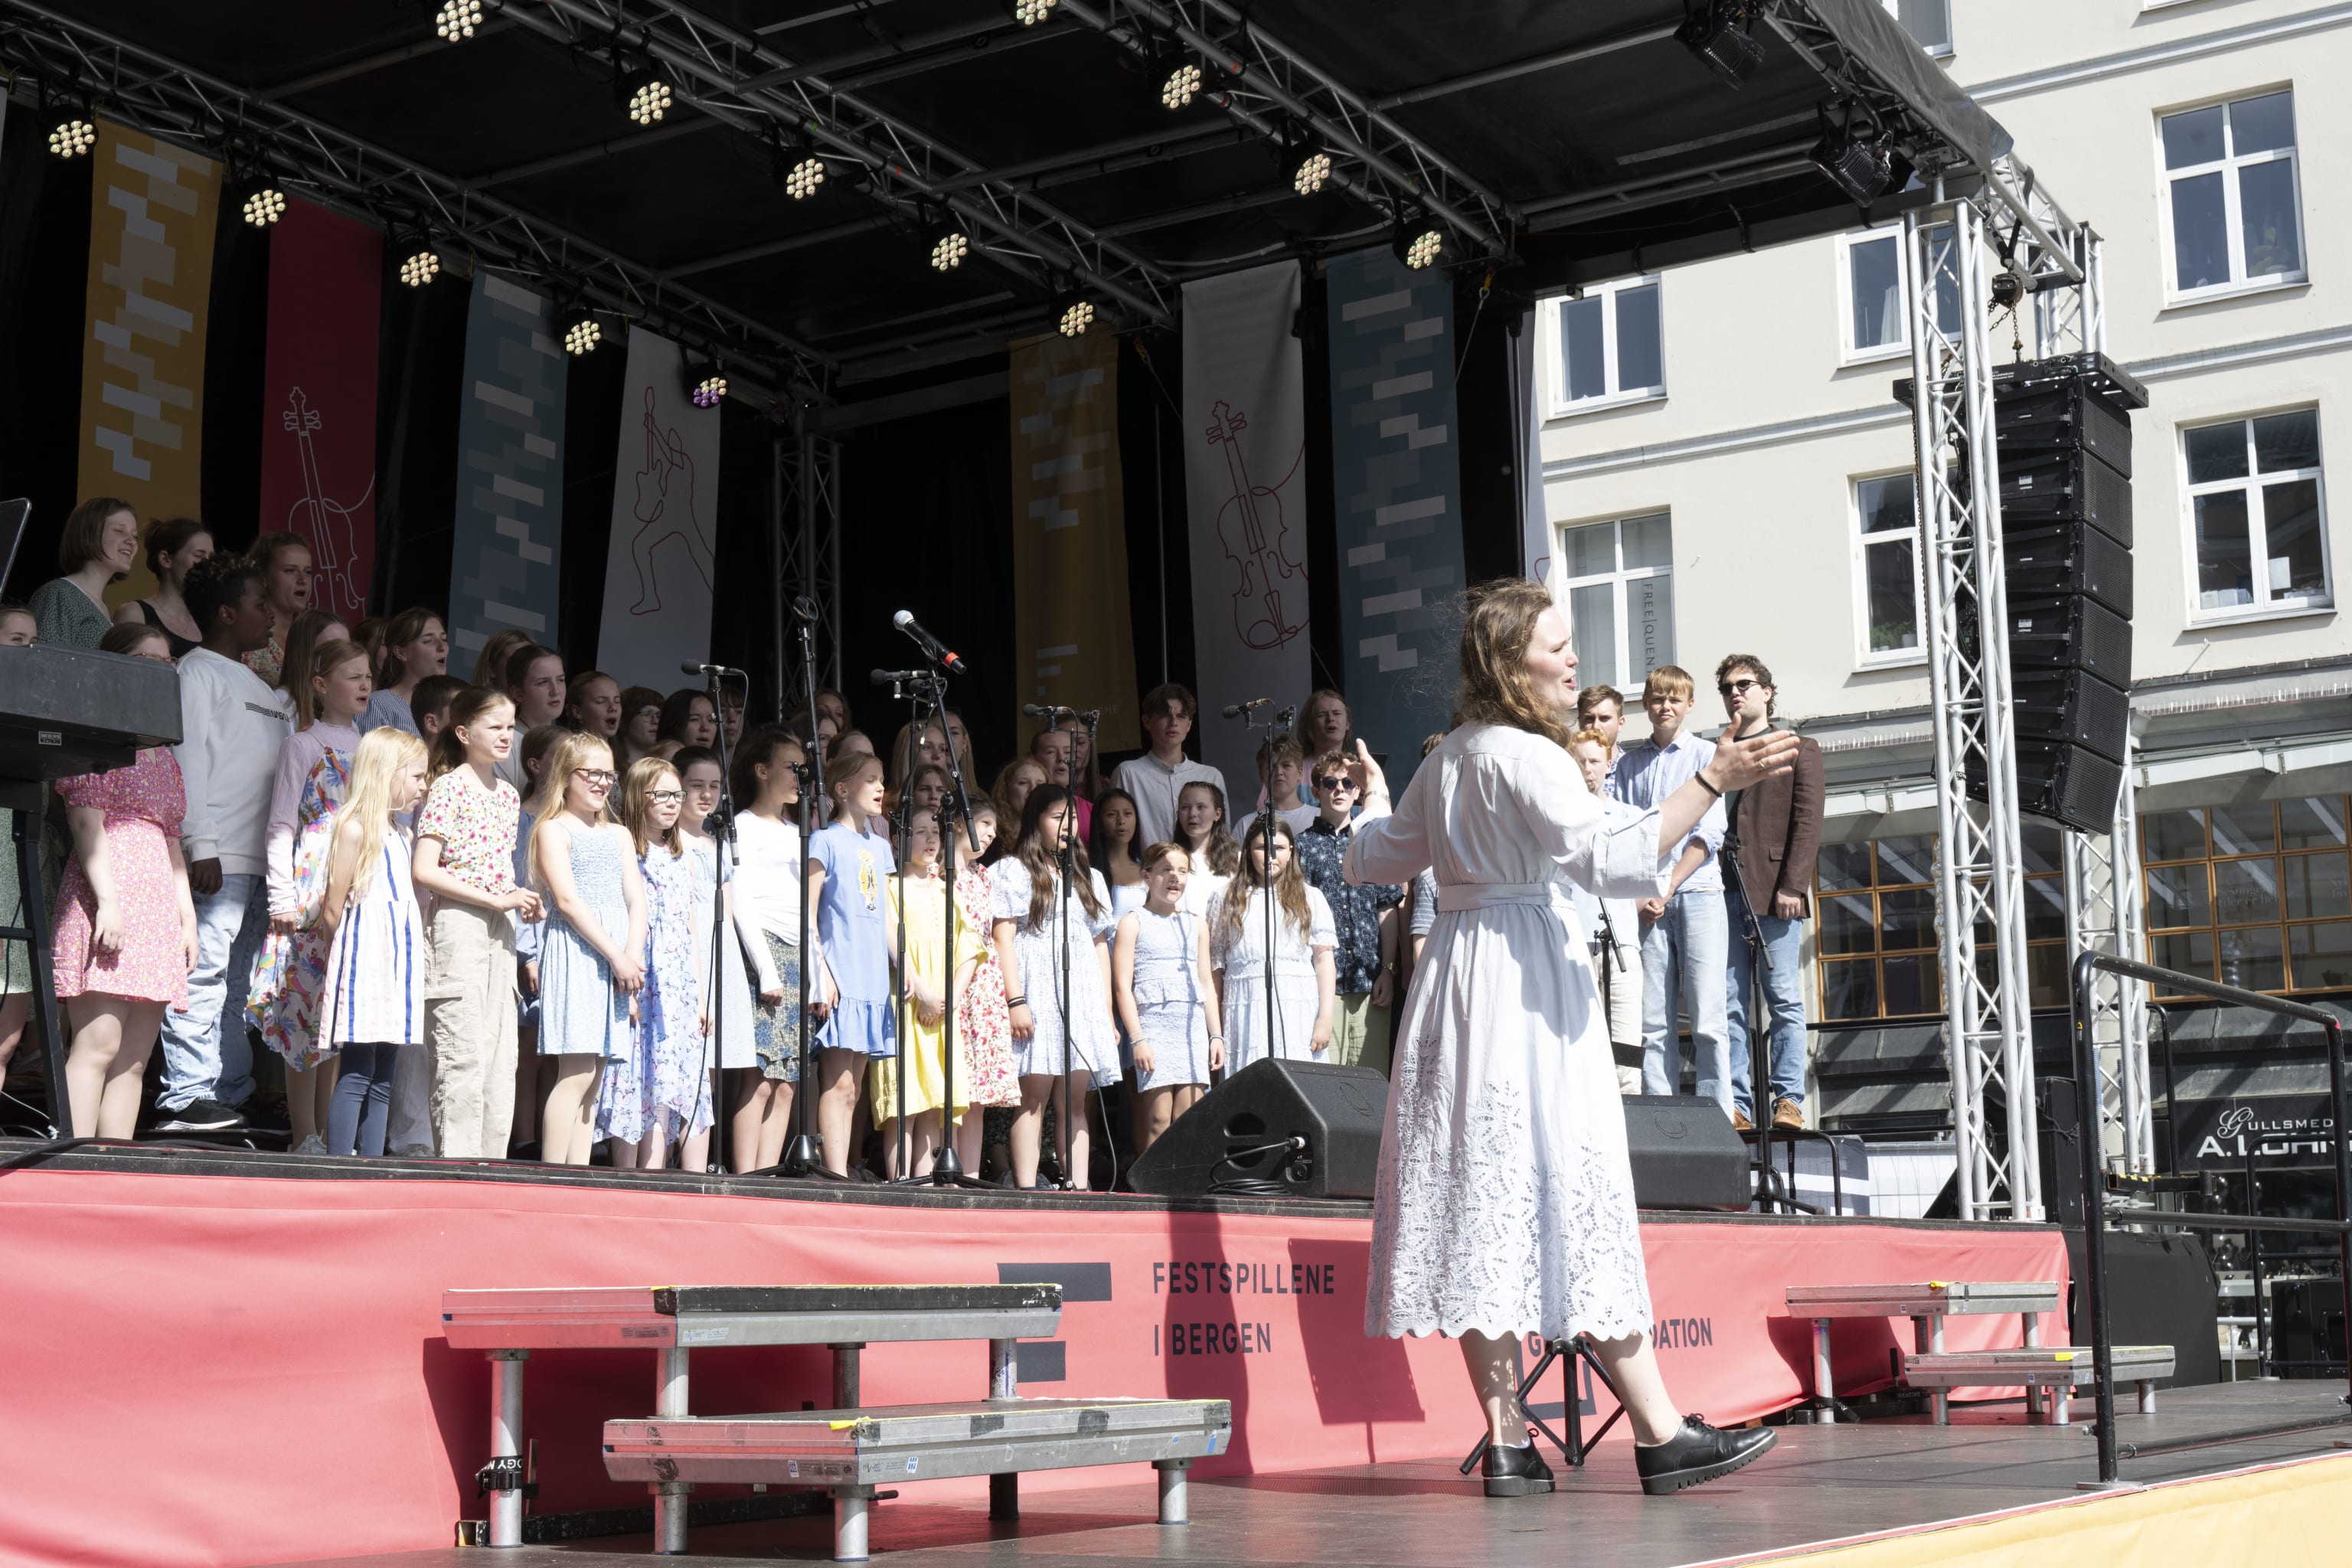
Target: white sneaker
x=313, y=1144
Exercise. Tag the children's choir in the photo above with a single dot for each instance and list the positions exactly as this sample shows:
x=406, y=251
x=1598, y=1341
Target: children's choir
x=492, y=917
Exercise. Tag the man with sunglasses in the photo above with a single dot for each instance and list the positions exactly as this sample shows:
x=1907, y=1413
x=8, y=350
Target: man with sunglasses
x=1773, y=831
x=1365, y=917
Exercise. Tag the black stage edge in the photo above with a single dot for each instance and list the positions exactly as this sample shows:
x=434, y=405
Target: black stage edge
x=182, y=1158
x=1821, y=1485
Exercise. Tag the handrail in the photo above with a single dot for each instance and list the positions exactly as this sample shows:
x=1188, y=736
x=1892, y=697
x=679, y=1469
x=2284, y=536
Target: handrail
x=2094, y=1206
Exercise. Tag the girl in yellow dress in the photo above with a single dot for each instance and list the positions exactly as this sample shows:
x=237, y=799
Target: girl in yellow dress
x=922, y=1021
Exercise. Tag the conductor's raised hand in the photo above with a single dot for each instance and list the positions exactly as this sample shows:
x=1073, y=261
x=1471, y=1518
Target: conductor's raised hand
x=1738, y=764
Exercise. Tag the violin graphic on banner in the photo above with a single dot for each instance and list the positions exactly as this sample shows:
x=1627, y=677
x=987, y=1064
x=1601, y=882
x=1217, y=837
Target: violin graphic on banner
x=327, y=524
x=1269, y=590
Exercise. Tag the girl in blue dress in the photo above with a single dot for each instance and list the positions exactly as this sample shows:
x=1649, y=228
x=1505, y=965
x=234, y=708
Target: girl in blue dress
x=660, y=1094
x=847, y=865
x=592, y=952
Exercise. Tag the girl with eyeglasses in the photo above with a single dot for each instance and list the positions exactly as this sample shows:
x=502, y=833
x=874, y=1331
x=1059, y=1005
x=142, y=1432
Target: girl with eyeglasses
x=592, y=954
x=657, y=1093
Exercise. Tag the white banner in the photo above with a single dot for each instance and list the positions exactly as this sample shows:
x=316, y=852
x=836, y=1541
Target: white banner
x=658, y=568
x=1244, y=486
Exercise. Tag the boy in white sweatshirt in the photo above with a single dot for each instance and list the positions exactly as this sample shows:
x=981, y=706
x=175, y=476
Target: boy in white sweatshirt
x=233, y=726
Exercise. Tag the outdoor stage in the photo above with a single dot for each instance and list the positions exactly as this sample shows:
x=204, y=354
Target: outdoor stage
x=236, y=1358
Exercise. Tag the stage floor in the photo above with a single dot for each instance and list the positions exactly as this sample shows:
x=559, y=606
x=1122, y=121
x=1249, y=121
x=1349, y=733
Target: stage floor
x=1821, y=1485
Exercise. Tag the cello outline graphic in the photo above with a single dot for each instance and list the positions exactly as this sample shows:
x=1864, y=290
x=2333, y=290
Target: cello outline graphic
x=1255, y=535
x=666, y=459
x=334, y=538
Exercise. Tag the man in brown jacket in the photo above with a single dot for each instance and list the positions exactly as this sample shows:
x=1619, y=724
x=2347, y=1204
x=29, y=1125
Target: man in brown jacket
x=1775, y=828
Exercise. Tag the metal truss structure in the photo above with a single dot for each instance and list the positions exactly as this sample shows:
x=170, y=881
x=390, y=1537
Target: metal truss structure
x=806, y=499
x=2104, y=913
x=254, y=135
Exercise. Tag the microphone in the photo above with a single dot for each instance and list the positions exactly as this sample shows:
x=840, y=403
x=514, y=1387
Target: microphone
x=1238, y=708
x=1046, y=711
x=895, y=676
x=1283, y=719
x=805, y=607
x=1091, y=715
x=932, y=647
x=692, y=668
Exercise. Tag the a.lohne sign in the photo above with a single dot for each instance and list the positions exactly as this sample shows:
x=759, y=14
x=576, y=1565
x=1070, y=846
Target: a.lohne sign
x=2278, y=1131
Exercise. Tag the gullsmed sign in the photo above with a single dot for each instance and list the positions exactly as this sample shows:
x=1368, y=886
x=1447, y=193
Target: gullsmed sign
x=2281, y=1132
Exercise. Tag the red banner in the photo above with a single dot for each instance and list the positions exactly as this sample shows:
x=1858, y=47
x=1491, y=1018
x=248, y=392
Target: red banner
x=143, y=1306
x=318, y=398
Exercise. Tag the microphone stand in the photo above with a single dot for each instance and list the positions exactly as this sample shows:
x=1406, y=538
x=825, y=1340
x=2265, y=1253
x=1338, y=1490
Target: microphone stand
x=1069, y=867
x=1769, y=1192
x=1264, y=830
x=726, y=854
x=897, y=681
x=947, y=1166
x=805, y=1157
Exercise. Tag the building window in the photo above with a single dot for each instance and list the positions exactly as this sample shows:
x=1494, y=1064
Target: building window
x=2230, y=189
x=1877, y=315
x=2256, y=896
x=1621, y=597
x=1611, y=346
x=1929, y=21
x=1887, y=522
x=1875, y=929
x=2257, y=516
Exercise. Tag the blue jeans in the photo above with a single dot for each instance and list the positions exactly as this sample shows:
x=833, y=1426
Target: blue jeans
x=1682, y=953
x=206, y=1055
x=1784, y=998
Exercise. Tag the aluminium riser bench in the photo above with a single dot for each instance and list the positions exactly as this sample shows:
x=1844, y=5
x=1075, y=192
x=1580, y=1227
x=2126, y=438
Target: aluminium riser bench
x=674, y=1320
x=851, y=1452
x=2059, y=1371
x=1926, y=1303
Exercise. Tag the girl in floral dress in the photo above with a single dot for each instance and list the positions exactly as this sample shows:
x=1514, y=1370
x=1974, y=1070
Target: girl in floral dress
x=126, y=931
x=314, y=770
x=660, y=1085
x=980, y=1006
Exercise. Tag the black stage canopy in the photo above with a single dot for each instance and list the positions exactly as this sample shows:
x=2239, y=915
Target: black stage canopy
x=1551, y=141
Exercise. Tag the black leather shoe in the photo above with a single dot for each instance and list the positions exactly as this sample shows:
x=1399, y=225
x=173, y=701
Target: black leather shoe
x=1516, y=1472
x=1698, y=1454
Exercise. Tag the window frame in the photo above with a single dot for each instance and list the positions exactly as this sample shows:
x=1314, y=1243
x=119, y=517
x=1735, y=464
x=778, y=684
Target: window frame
x=1932, y=955
x=2232, y=217
x=2264, y=607
x=2210, y=861
x=1861, y=545
x=1618, y=578
x=1900, y=348
x=1561, y=406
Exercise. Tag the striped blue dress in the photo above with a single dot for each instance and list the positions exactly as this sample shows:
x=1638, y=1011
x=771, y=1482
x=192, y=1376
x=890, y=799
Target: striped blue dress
x=376, y=970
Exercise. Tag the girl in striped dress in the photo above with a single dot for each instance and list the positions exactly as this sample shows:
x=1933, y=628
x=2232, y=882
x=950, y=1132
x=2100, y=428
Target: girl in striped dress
x=372, y=1005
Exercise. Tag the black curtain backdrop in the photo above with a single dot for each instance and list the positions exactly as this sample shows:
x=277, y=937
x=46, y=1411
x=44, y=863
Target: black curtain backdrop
x=44, y=278
x=420, y=370
x=236, y=335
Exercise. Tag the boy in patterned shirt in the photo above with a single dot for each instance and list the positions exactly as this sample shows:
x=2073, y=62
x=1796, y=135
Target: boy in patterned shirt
x=1365, y=917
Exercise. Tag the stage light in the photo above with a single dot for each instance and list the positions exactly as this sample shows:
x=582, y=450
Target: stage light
x=72, y=138
x=421, y=269
x=1312, y=174
x=952, y=247
x=457, y=20
x=706, y=382
x=581, y=332
x=1078, y=319
x=1721, y=33
x=1183, y=84
x=649, y=101
x=1418, y=243
x=1860, y=158
x=265, y=207
x=1029, y=12
x=805, y=177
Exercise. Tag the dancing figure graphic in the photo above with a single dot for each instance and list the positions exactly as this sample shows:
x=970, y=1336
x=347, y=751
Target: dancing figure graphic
x=664, y=509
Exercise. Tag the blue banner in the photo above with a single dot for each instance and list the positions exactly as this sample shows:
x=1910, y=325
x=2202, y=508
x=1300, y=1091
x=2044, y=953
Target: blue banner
x=503, y=562
x=1398, y=480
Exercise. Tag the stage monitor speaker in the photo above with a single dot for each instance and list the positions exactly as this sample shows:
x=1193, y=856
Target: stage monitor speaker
x=2065, y=782
x=1337, y=1111
x=2063, y=558
x=2073, y=632
x=1685, y=1155
x=2071, y=705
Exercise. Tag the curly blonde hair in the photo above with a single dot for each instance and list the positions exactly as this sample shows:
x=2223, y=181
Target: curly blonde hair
x=1498, y=622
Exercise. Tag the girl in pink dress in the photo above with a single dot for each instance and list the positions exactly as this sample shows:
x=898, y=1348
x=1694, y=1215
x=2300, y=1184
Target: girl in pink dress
x=126, y=932
x=980, y=1016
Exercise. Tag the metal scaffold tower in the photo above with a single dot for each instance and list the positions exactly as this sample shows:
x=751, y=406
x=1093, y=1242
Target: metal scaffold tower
x=1989, y=250
x=807, y=543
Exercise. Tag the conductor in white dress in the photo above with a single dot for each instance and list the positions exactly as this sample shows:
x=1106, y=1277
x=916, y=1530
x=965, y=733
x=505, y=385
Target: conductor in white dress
x=1506, y=1200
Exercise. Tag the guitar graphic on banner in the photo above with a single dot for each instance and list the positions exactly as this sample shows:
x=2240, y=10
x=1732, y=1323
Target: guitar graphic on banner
x=327, y=524
x=664, y=509
x=1269, y=590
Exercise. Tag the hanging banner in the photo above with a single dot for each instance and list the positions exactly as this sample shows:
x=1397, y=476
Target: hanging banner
x=1070, y=618
x=318, y=398
x=151, y=210
x=502, y=561
x=1397, y=478
x=659, y=576
x=1244, y=442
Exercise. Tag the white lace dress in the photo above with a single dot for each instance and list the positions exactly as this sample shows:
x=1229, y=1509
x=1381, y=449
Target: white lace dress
x=1506, y=1201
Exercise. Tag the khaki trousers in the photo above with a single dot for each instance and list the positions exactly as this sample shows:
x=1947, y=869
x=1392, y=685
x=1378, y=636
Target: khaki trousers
x=469, y=1023
x=1359, y=1032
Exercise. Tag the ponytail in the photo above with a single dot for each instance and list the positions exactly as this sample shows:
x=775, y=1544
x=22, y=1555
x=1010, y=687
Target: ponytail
x=465, y=709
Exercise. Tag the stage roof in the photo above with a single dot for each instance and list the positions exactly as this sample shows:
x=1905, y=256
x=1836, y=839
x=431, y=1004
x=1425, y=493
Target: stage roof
x=1556, y=143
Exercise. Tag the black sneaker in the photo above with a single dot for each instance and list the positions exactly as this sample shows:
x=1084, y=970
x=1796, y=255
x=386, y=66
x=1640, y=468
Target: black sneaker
x=1698, y=1454
x=1516, y=1472
x=199, y=1116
